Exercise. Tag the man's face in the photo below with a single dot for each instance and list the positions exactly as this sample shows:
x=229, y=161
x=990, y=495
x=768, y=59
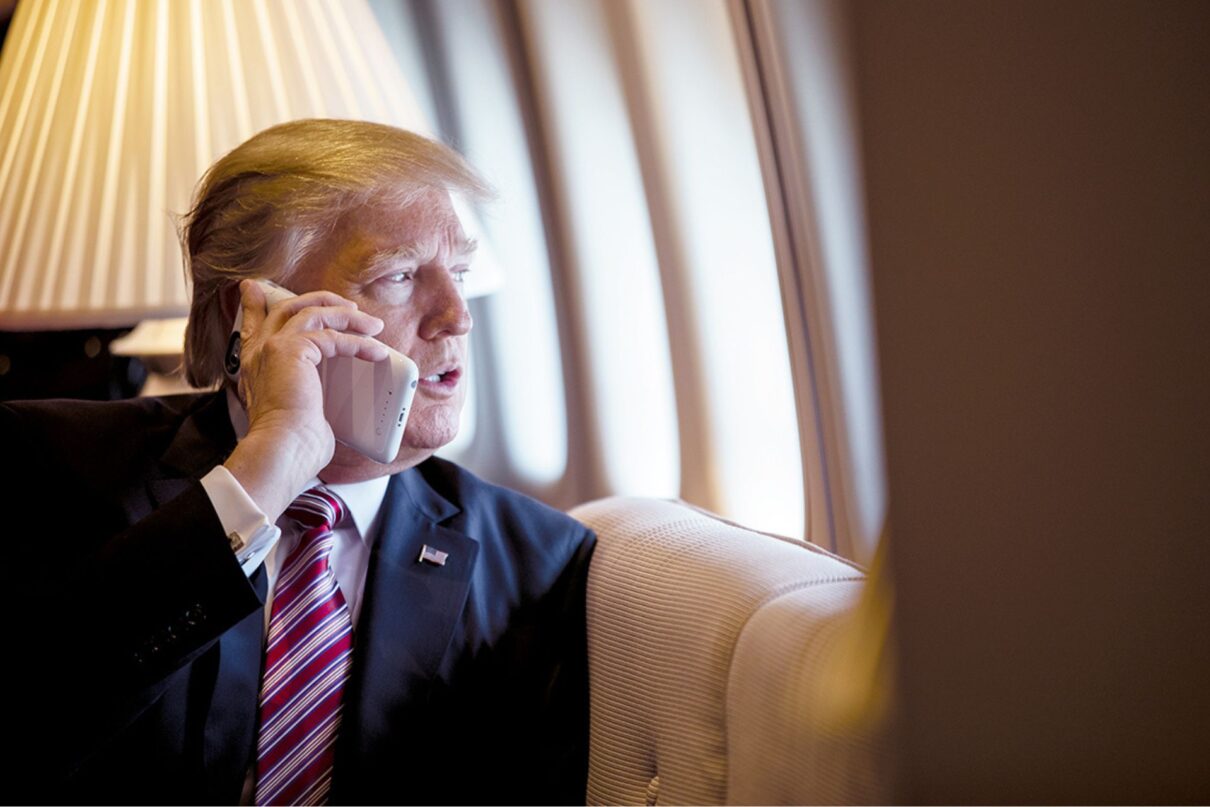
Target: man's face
x=406, y=267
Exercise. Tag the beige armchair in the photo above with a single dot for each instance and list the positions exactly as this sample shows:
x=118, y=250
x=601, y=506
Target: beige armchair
x=725, y=665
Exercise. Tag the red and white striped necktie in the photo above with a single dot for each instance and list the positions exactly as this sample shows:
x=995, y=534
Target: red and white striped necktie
x=307, y=660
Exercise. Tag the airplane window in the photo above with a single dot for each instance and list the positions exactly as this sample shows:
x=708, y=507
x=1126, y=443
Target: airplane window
x=806, y=102
x=616, y=279
x=811, y=40
x=719, y=253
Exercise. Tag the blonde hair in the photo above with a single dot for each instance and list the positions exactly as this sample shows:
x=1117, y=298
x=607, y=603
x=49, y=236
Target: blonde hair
x=264, y=207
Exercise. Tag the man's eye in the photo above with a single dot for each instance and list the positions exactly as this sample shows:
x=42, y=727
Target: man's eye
x=400, y=277
x=461, y=273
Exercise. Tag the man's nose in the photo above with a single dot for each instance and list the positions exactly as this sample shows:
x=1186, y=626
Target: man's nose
x=446, y=311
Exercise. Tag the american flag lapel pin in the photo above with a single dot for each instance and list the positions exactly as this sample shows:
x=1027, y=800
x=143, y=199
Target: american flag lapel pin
x=433, y=556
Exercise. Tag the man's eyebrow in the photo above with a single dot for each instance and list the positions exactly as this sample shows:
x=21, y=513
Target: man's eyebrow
x=463, y=247
x=410, y=252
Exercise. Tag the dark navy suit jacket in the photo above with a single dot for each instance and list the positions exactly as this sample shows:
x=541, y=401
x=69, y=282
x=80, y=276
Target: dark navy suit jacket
x=136, y=651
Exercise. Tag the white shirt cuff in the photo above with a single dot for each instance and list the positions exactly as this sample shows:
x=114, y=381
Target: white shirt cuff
x=248, y=530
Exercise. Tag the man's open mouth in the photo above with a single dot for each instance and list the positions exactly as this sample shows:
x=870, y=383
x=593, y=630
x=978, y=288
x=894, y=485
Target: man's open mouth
x=445, y=378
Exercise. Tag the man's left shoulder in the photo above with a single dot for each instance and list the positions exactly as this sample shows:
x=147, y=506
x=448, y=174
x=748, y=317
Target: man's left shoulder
x=488, y=509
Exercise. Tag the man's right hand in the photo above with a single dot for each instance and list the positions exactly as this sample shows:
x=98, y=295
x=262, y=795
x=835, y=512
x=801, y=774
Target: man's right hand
x=288, y=440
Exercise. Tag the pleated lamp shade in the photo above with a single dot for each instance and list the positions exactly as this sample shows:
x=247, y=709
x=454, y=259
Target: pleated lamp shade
x=110, y=111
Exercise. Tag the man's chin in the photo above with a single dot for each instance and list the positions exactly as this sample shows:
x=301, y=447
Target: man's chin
x=426, y=441
x=428, y=430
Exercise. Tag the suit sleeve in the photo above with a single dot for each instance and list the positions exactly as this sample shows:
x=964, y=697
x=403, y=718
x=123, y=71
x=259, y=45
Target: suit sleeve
x=108, y=612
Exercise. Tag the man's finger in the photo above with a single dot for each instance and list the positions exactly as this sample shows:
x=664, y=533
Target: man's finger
x=252, y=300
x=332, y=343
x=284, y=310
x=339, y=318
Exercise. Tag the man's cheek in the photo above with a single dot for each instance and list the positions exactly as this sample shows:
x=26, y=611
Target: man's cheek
x=396, y=334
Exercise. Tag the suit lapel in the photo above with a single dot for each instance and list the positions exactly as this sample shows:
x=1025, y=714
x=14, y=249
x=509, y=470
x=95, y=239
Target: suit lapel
x=408, y=616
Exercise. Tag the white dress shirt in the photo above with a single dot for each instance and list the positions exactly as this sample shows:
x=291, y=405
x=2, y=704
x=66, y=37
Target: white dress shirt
x=260, y=542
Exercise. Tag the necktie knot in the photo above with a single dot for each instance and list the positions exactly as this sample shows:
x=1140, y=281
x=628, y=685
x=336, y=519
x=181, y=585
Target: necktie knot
x=317, y=507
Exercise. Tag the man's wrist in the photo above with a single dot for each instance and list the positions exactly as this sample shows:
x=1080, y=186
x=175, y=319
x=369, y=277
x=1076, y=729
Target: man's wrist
x=270, y=471
x=249, y=532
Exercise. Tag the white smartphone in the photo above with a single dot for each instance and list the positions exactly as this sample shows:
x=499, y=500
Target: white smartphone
x=365, y=403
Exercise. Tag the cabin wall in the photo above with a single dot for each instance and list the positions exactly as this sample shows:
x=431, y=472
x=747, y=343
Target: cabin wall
x=1037, y=180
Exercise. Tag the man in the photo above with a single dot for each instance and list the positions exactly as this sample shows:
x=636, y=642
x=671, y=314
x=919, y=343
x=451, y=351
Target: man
x=147, y=536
